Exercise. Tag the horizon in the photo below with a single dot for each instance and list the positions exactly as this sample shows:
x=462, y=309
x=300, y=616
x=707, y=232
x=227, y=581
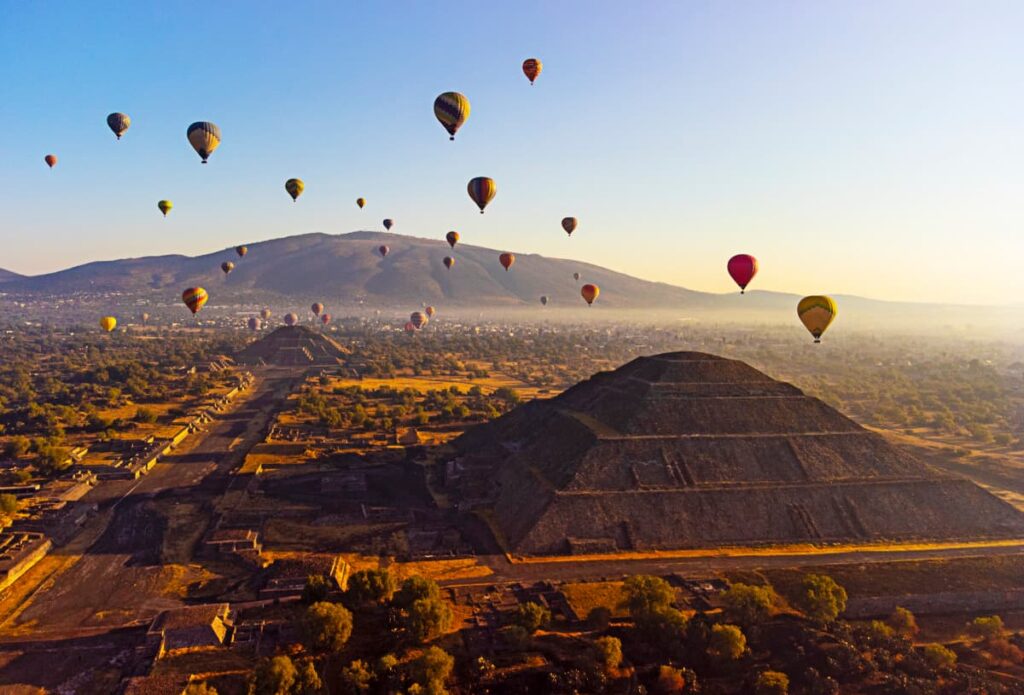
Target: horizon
x=887, y=173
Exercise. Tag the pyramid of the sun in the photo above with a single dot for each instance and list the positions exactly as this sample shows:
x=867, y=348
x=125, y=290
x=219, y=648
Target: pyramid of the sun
x=691, y=450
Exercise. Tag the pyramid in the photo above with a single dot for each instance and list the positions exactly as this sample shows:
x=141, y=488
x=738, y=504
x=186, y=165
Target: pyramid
x=293, y=346
x=690, y=450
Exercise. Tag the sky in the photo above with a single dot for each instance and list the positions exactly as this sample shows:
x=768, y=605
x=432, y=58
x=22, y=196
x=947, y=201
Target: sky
x=865, y=148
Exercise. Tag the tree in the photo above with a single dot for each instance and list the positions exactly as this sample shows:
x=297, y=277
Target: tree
x=316, y=589
x=432, y=669
x=821, y=598
x=200, y=689
x=749, y=604
x=307, y=680
x=675, y=681
x=727, y=643
x=356, y=678
x=17, y=447
x=903, y=622
x=428, y=618
x=413, y=589
x=8, y=504
x=938, y=657
x=531, y=616
x=987, y=627
x=370, y=586
x=645, y=594
x=273, y=677
x=145, y=415
x=771, y=683
x=327, y=626
x=609, y=649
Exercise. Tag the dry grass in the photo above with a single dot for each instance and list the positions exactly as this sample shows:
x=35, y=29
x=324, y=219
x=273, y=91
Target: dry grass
x=288, y=533
x=586, y=596
x=442, y=570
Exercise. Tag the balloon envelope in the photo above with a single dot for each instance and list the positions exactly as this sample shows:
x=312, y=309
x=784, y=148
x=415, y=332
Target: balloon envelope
x=816, y=313
x=569, y=225
x=241, y=250
x=418, y=319
x=482, y=189
x=325, y=319
x=108, y=323
x=532, y=68
x=742, y=268
x=383, y=250
x=165, y=206
x=452, y=110
x=291, y=319
x=361, y=202
x=51, y=160
x=544, y=299
x=254, y=323
x=195, y=298
x=317, y=308
x=449, y=262
x=430, y=311
x=590, y=293
x=452, y=238
x=227, y=267
x=506, y=260
x=204, y=138
x=118, y=122
x=295, y=187
x=265, y=314
x=389, y=223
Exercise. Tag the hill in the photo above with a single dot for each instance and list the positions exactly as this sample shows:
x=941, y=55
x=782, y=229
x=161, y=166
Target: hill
x=686, y=450
x=7, y=276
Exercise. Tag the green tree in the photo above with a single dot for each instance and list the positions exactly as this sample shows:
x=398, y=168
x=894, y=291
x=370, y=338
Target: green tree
x=307, y=680
x=609, y=651
x=903, y=622
x=675, y=681
x=8, y=504
x=938, y=657
x=356, y=678
x=316, y=589
x=428, y=618
x=275, y=676
x=531, y=616
x=821, y=598
x=413, y=589
x=646, y=594
x=432, y=670
x=727, y=643
x=326, y=626
x=987, y=627
x=771, y=683
x=749, y=604
x=371, y=586
x=145, y=415
x=17, y=447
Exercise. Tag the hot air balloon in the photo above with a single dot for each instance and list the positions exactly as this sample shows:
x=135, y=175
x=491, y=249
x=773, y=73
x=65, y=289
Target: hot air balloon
x=410, y=328
x=383, y=250
x=590, y=293
x=576, y=277
x=742, y=268
x=204, y=138
x=816, y=312
x=430, y=312
x=118, y=122
x=295, y=187
x=265, y=314
x=144, y=317
x=254, y=324
x=227, y=267
x=325, y=319
x=108, y=323
x=51, y=160
x=241, y=251
x=544, y=299
x=569, y=225
x=290, y=319
x=194, y=298
x=449, y=262
x=532, y=68
x=418, y=319
x=317, y=308
x=165, y=206
x=482, y=190
x=361, y=202
x=452, y=238
x=452, y=110
x=507, y=259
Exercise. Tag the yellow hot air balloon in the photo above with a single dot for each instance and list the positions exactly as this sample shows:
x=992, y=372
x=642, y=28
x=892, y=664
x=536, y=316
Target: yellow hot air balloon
x=108, y=323
x=361, y=202
x=590, y=293
x=452, y=110
x=482, y=190
x=816, y=312
x=204, y=138
x=295, y=187
x=165, y=206
x=194, y=298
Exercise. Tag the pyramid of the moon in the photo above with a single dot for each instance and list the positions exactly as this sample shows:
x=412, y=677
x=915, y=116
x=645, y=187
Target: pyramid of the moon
x=687, y=450
x=293, y=346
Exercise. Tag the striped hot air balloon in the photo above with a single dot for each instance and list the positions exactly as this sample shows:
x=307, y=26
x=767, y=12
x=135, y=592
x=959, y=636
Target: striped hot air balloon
x=816, y=313
x=482, y=190
x=165, y=206
x=118, y=122
x=532, y=68
x=590, y=293
x=506, y=260
x=194, y=298
x=204, y=138
x=452, y=238
x=452, y=110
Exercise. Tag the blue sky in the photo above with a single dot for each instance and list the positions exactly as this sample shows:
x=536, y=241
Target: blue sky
x=862, y=147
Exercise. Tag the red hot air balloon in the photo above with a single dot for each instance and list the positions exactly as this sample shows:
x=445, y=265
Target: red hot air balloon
x=742, y=268
x=532, y=68
x=241, y=250
x=291, y=319
x=452, y=238
x=410, y=328
x=325, y=319
x=195, y=298
x=383, y=250
x=590, y=293
x=569, y=224
x=51, y=160
x=317, y=308
x=418, y=319
x=507, y=259
x=389, y=223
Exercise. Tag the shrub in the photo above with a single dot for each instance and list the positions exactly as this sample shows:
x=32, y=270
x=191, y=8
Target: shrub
x=531, y=616
x=727, y=643
x=938, y=657
x=903, y=622
x=749, y=604
x=370, y=586
x=821, y=598
x=771, y=683
x=327, y=626
x=609, y=650
x=986, y=627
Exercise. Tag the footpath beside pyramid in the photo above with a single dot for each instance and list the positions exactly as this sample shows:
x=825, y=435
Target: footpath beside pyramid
x=293, y=346
x=686, y=450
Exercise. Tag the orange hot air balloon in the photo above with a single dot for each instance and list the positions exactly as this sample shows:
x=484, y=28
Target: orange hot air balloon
x=532, y=68
x=361, y=202
x=317, y=308
x=290, y=319
x=227, y=267
x=569, y=225
x=388, y=224
x=194, y=298
x=383, y=250
x=452, y=238
x=430, y=311
x=265, y=314
x=507, y=259
x=742, y=268
x=482, y=189
x=449, y=262
x=325, y=319
x=254, y=324
x=410, y=327
x=51, y=160
x=418, y=319
x=590, y=293
x=241, y=251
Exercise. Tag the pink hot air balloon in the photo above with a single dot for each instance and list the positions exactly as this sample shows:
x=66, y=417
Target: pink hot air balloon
x=325, y=319
x=742, y=268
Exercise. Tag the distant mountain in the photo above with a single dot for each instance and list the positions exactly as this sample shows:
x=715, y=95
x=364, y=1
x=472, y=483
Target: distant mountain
x=7, y=275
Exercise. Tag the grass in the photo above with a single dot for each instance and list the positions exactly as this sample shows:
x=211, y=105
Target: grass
x=442, y=570
x=288, y=533
x=586, y=596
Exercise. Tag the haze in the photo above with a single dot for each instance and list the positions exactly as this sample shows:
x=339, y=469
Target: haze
x=867, y=149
